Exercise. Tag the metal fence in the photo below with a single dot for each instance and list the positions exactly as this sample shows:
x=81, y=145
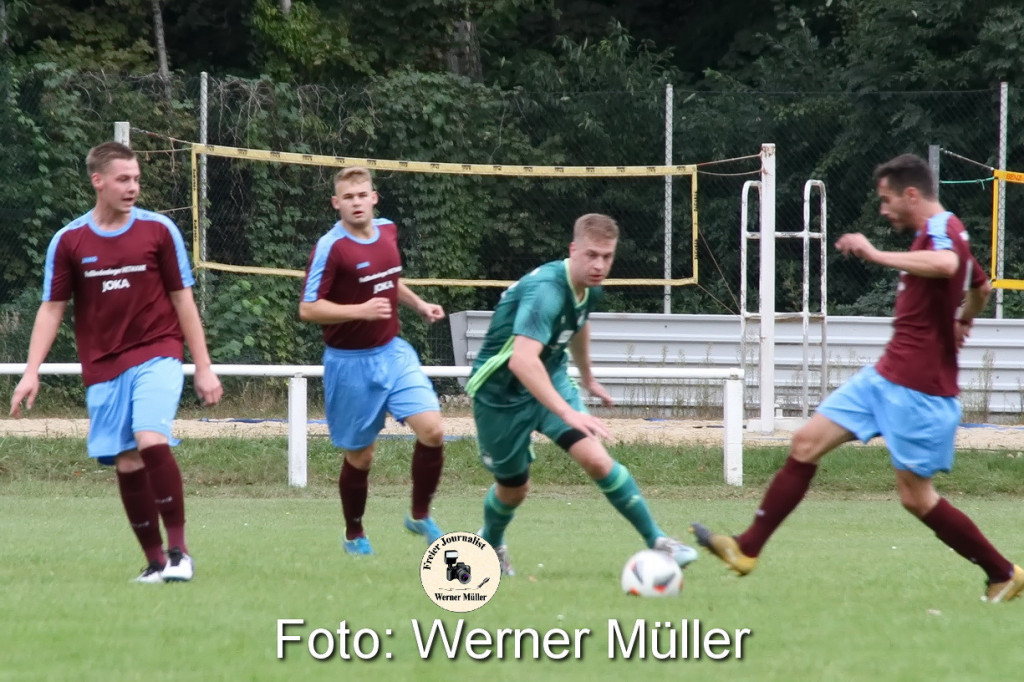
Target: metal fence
x=263, y=214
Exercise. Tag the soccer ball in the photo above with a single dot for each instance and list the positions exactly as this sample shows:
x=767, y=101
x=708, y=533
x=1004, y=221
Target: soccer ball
x=650, y=573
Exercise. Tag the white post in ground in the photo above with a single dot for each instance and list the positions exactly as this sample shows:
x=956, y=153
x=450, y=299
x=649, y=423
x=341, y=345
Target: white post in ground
x=732, y=457
x=297, y=419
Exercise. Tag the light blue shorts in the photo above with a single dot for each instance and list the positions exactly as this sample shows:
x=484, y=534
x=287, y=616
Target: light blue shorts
x=919, y=429
x=143, y=398
x=361, y=386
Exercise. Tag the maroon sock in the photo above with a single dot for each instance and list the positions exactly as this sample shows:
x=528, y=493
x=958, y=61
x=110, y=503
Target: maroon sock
x=783, y=495
x=168, y=490
x=427, y=462
x=140, y=507
x=957, y=530
x=353, y=486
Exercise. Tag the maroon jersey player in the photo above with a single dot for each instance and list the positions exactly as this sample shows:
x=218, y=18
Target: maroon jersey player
x=128, y=275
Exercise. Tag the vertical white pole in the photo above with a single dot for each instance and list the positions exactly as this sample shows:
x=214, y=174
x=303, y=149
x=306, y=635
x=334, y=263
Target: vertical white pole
x=204, y=293
x=668, y=197
x=733, y=421
x=935, y=164
x=122, y=133
x=824, y=292
x=297, y=432
x=767, y=288
x=1004, y=101
x=805, y=302
x=745, y=236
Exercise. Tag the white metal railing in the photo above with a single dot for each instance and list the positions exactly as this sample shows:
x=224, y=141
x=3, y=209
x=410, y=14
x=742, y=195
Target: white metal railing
x=298, y=376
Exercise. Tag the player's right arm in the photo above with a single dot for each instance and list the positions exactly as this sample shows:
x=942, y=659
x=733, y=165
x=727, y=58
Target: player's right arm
x=526, y=365
x=322, y=311
x=320, y=274
x=44, y=331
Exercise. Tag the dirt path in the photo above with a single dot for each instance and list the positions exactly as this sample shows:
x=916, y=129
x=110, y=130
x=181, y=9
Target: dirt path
x=975, y=436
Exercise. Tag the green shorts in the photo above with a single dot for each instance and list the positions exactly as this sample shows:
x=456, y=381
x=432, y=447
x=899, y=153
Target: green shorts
x=503, y=433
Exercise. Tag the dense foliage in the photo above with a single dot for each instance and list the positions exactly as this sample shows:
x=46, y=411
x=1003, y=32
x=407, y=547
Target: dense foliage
x=837, y=85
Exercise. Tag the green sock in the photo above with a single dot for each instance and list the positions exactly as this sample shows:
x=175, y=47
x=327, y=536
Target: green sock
x=497, y=516
x=622, y=491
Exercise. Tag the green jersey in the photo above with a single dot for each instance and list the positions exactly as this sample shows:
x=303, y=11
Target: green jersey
x=542, y=306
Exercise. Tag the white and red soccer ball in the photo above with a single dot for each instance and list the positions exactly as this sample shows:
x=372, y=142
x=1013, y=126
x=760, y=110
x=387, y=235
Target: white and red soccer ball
x=650, y=573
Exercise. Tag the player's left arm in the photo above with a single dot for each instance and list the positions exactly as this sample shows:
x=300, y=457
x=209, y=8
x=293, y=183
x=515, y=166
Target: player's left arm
x=206, y=382
x=172, y=262
x=430, y=312
x=579, y=347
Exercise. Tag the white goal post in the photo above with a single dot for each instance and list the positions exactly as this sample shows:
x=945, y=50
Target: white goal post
x=298, y=375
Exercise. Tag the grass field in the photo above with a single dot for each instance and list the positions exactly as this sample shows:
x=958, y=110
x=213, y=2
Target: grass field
x=851, y=588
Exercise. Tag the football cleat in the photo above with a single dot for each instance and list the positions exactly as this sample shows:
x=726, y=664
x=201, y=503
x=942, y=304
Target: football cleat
x=179, y=568
x=425, y=527
x=504, y=560
x=683, y=555
x=151, y=574
x=359, y=546
x=725, y=548
x=1006, y=590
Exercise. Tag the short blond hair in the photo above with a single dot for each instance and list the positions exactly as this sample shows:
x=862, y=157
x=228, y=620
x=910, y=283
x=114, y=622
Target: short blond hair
x=100, y=156
x=595, y=226
x=353, y=174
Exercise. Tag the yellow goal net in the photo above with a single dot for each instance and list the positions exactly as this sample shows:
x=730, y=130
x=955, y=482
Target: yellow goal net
x=999, y=191
x=265, y=209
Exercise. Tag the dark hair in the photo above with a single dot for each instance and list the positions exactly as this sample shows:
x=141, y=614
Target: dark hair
x=101, y=155
x=907, y=170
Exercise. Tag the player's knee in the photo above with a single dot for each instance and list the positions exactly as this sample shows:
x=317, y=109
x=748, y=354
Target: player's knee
x=917, y=504
x=432, y=435
x=428, y=427
x=589, y=453
x=512, y=490
x=913, y=506
x=128, y=461
x=570, y=438
x=804, y=446
x=147, y=439
x=360, y=459
x=514, y=497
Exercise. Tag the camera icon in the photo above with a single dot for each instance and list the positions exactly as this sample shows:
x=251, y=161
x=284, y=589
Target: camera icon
x=456, y=570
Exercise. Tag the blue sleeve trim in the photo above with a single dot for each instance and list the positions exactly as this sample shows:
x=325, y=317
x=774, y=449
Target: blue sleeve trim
x=51, y=253
x=319, y=263
x=938, y=230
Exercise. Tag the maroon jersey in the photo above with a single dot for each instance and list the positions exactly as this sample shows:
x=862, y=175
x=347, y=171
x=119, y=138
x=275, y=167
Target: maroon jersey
x=119, y=282
x=347, y=270
x=922, y=352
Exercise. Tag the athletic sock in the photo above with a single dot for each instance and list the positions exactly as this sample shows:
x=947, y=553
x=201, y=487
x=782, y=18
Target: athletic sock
x=168, y=491
x=352, y=487
x=140, y=507
x=624, y=494
x=497, y=516
x=427, y=463
x=783, y=495
x=957, y=530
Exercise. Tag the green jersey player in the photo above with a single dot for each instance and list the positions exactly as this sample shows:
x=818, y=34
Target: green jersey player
x=520, y=384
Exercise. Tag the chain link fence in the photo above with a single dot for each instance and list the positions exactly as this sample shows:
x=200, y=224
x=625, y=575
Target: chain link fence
x=484, y=228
